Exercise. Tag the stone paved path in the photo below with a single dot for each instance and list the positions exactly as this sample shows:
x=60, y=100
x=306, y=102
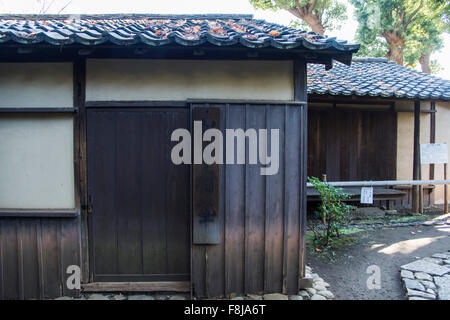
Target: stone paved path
x=388, y=248
x=428, y=278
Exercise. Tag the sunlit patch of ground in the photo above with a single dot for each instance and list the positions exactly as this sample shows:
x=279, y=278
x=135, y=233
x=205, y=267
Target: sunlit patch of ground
x=409, y=246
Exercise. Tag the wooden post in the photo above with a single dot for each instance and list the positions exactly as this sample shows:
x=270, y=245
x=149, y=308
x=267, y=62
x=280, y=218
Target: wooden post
x=432, y=140
x=301, y=94
x=445, y=190
x=421, y=199
x=416, y=159
x=324, y=218
x=432, y=133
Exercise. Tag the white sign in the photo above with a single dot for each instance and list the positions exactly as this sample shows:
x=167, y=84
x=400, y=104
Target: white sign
x=433, y=153
x=367, y=195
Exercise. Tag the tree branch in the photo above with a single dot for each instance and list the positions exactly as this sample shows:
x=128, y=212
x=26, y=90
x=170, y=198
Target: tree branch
x=313, y=5
x=295, y=12
x=415, y=12
x=299, y=9
x=320, y=10
x=65, y=6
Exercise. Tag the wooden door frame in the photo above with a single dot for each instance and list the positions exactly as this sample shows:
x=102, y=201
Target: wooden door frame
x=80, y=156
x=128, y=106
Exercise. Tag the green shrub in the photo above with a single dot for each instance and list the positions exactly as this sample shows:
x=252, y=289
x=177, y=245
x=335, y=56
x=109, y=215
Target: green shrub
x=333, y=210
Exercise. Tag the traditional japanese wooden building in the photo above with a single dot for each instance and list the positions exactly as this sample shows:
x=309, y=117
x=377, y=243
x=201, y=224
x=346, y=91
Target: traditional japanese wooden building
x=87, y=108
x=361, y=125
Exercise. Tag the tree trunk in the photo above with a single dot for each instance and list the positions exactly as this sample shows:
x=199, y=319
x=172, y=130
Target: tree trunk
x=311, y=20
x=314, y=23
x=425, y=62
x=396, y=46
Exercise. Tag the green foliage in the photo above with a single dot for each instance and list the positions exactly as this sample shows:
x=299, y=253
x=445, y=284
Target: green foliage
x=424, y=36
x=418, y=25
x=330, y=13
x=445, y=4
x=332, y=208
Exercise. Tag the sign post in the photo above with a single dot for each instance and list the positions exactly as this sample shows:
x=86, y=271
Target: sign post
x=433, y=153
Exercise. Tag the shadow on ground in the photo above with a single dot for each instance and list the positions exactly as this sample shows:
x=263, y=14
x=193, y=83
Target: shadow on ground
x=388, y=248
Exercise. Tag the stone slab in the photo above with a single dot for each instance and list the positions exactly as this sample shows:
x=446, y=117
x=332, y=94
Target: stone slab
x=254, y=297
x=406, y=274
x=416, y=293
x=275, y=296
x=440, y=255
x=413, y=284
x=367, y=213
x=428, y=284
x=423, y=276
x=327, y=294
x=427, y=267
x=443, y=287
x=320, y=288
x=140, y=297
x=434, y=260
x=97, y=296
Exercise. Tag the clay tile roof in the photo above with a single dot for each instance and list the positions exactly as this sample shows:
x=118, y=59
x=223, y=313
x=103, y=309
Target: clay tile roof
x=161, y=30
x=376, y=77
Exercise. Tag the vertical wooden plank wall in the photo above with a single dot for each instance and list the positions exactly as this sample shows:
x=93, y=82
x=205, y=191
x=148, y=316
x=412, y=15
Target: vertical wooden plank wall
x=34, y=256
x=260, y=247
x=342, y=143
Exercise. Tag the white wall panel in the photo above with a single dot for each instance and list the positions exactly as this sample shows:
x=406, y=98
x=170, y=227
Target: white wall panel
x=36, y=161
x=113, y=80
x=36, y=85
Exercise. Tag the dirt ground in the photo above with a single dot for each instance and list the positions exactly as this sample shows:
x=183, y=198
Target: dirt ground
x=388, y=248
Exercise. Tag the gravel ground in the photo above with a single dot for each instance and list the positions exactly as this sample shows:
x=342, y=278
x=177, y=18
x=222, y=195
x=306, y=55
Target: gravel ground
x=388, y=248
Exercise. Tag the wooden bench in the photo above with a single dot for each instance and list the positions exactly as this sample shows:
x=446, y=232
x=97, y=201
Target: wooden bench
x=379, y=194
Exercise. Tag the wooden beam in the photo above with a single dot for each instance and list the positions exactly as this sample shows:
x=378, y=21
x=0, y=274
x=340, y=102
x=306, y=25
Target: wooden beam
x=432, y=140
x=131, y=104
x=183, y=103
x=39, y=213
x=79, y=98
x=37, y=110
x=50, y=53
x=300, y=94
x=416, y=158
x=168, y=286
x=445, y=191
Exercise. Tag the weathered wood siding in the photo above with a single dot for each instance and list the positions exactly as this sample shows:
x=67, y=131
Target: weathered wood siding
x=260, y=217
x=352, y=145
x=34, y=256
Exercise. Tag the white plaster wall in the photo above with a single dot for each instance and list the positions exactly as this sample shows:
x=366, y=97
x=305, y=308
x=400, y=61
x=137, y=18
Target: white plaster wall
x=405, y=139
x=36, y=85
x=112, y=80
x=442, y=136
x=36, y=161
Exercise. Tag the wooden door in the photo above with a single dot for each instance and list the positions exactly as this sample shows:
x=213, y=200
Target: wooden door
x=139, y=228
